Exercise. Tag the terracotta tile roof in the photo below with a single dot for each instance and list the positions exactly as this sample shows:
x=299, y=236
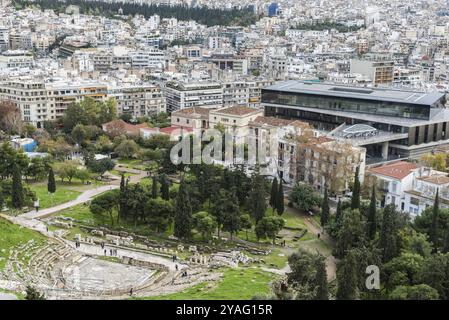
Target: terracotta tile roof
x=436, y=179
x=237, y=110
x=122, y=125
x=169, y=130
x=397, y=170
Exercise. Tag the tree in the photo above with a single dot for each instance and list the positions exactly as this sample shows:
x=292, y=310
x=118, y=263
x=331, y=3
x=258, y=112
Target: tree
x=371, y=225
x=183, y=213
x=274, y=193
x=33, y=294
x=434, y=226
x=388, y=240
x=338, y=211
x=104, y=144
x=355, y=200
x=17, y=197
x=79, y=133
x=351, y=233
x=165, y=188
x=280, y=199
x=51, y=184
x=66, y=170
x=82, y=174
x=37, y=168
x=257, y=200
x=307, y=278
x=101, y=166
x=154, y=187
x=325, y=209
x=322, y=291
x=347, y=278
x=204, y=223
x=416, y=292
x=434, y=272
x=269, y=227
x=245, y=224
x=105, y=203
x=127, y=149
x=231, y=217
x=10, y=118
x=303, y=197
x=159, y=214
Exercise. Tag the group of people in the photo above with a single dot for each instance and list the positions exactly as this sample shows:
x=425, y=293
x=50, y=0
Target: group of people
x=77, y=244
x=112, y=252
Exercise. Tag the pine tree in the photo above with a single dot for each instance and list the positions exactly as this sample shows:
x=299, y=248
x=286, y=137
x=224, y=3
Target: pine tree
x=154, y=187
x=274, y=193
x=280, y=199
x=325, y=209
x=51, y=185
x=372, y=223
x=347, y=278
x=322, y=291
x=17, y=188
x=434, y=226
x=183, y=213
x=355, y=201
x=165, y=188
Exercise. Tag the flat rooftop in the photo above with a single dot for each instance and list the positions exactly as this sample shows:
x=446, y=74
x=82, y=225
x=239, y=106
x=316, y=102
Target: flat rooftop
x=364, y=93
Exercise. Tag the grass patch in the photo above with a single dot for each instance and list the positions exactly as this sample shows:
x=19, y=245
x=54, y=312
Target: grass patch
x=237, y=284
x=64, y=193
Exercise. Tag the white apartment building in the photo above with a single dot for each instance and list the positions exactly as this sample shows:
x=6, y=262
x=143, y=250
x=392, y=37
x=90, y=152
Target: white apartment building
x=16, y=59
x=182, y=95
x=393, y=180
x=138, y=100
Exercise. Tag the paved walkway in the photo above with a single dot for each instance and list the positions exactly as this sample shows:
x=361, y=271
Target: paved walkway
x=7, y=296
x=93, y=249
x=82, y=198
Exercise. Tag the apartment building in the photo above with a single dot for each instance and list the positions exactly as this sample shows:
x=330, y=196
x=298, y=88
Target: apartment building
x=16, y=59
x=379, y=68
x=182, y=95
x=138, y=100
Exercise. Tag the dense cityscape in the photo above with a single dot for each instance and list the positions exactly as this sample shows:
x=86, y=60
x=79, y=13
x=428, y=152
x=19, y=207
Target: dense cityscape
x=224, y=150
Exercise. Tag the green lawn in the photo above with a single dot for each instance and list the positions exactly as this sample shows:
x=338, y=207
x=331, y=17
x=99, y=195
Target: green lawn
x=12, y=235
x=237, y=284
x=64, y=192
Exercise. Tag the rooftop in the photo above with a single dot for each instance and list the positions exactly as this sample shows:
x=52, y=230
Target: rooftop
x=237, y=110
x=379, y=94
x=397, y=170
x=192, y=111
x=436, y=179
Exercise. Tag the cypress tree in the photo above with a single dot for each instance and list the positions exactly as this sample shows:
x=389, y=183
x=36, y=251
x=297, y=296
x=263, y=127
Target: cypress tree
x=51, y=184
x=325, y=209
x=372, y=223
x=338, y=213
x=322, y=292
x=434, y=225
x=183, y=213
x=274, y=193
x=17, y=188
x=388, y=239
x=446, y=242
x=355, y=201
x=258, y=205
x=154, y=187
x=280, y=199
x=347, y=278
x=165, y=189
x=123, y=201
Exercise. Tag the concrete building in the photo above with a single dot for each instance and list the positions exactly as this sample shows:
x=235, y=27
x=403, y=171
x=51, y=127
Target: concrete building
x=388, y=123
x=182, y=95
x=379, y=68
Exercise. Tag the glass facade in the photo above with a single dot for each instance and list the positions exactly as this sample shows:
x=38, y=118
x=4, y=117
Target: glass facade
x=376, y=107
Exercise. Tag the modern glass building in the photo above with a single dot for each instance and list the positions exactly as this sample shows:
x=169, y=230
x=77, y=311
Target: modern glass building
x=409, y=123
